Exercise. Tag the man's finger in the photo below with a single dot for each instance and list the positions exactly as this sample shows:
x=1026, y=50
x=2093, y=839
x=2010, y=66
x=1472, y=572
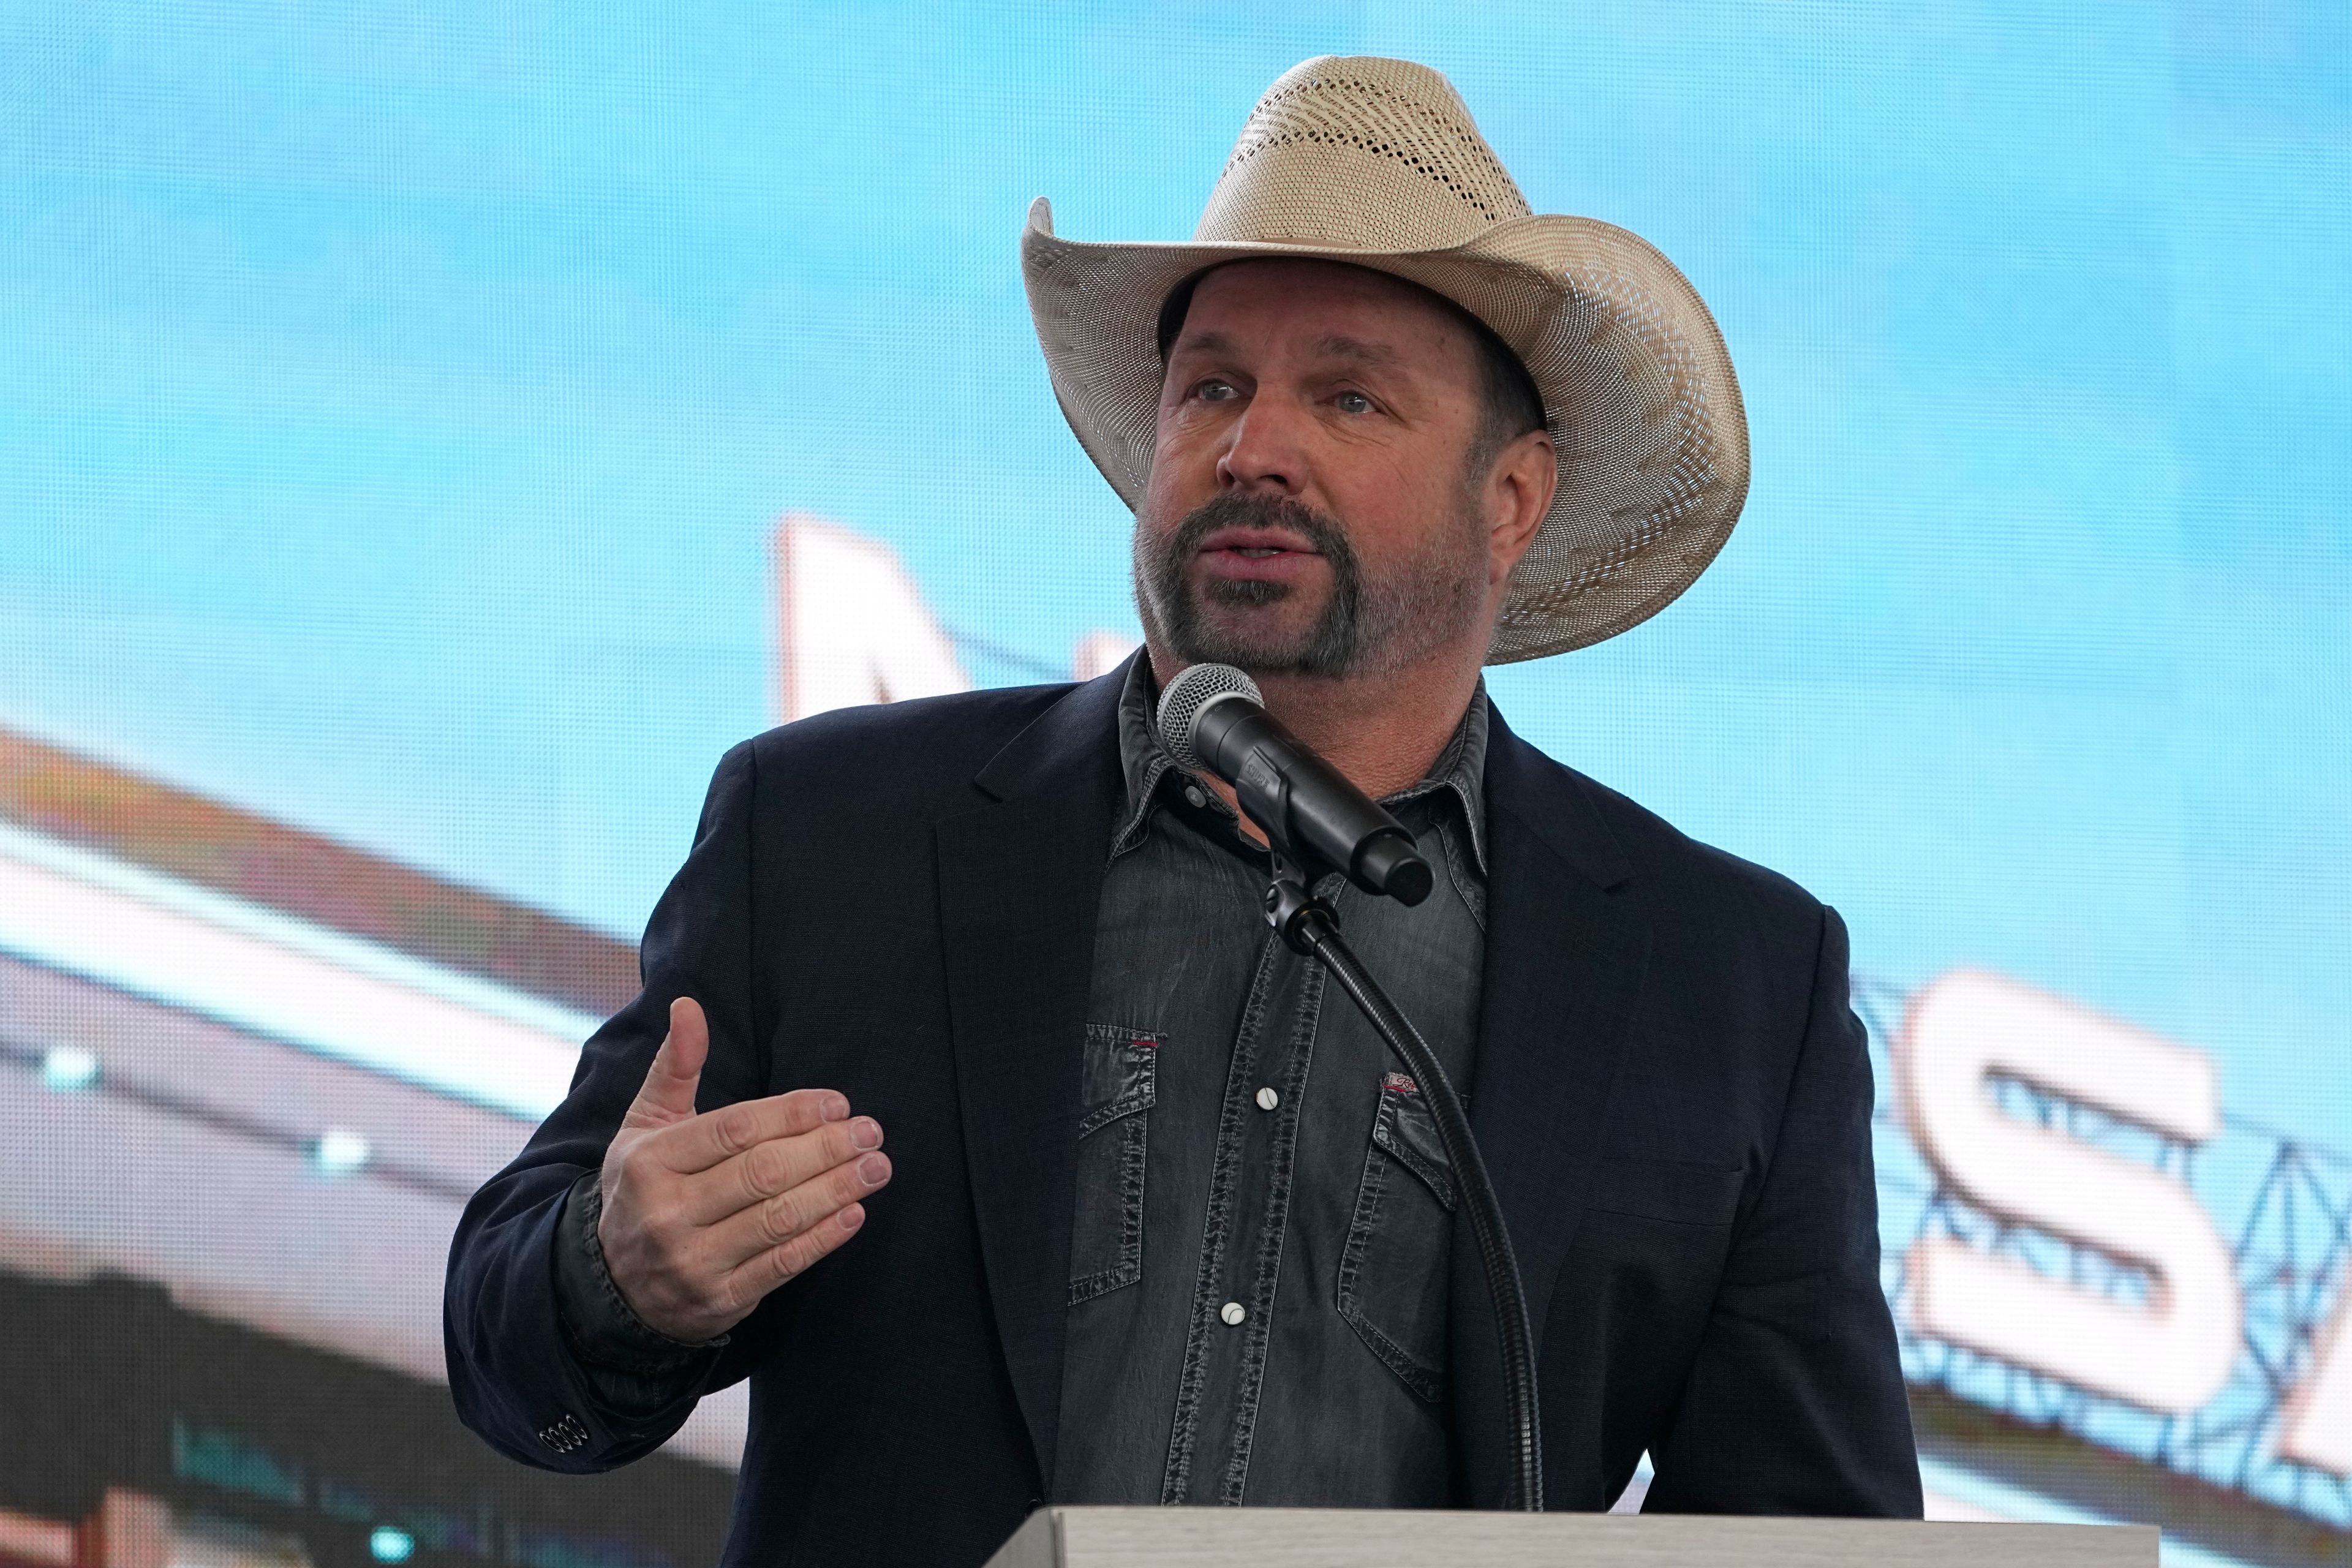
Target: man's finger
x=763, y=1272
x=812, y=1206
x=766, y=1170
x=733, y=1129
x=668, y=1093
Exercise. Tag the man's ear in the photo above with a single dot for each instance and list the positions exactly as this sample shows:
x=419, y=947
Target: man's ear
x=1519, y=494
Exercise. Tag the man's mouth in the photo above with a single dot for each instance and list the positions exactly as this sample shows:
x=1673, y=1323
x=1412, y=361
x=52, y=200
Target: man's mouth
x=1266, y=554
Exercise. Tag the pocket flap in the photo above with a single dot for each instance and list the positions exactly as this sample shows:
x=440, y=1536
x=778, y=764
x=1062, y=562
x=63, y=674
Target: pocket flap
x=1407, y=1129
x=1119, y=1075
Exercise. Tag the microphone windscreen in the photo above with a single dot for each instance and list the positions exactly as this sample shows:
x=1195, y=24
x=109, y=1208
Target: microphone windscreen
x=1180, y=705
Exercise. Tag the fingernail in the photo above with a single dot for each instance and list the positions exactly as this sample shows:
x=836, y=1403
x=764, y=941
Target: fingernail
x=835, y=1108
x=874, y=1170
x=865, y=1134
x=851, y=1217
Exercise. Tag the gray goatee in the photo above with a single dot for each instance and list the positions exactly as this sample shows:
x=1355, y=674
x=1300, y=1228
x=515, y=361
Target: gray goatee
x=1368, y=626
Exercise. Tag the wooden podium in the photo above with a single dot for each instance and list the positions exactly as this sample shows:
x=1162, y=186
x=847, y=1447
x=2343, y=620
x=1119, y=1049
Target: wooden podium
x=1339, y=1538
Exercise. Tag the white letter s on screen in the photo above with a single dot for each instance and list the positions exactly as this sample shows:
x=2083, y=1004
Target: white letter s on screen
x=2174, y=1353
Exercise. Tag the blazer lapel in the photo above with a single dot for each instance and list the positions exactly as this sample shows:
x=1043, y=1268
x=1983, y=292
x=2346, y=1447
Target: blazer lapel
x=1019, y=881
x=1567, y=942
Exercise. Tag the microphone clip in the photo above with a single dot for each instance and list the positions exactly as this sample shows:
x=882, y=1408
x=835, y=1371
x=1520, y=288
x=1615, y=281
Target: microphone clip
x=1293, y=909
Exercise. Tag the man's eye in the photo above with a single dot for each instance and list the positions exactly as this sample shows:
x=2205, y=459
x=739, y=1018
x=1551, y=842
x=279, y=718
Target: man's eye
x=1214, y=390
x=1352, y=403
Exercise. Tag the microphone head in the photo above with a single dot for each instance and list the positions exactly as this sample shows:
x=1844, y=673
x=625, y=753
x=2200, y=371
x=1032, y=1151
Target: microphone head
x=1180, y=706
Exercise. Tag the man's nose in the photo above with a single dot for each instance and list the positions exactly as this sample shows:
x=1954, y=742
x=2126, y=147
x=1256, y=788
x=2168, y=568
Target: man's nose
x=1267, y=453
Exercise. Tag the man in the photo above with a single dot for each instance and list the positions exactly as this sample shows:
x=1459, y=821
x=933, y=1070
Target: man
x=1159, y=1220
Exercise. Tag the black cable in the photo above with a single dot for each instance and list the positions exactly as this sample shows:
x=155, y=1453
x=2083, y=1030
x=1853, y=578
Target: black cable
x=1311, y=928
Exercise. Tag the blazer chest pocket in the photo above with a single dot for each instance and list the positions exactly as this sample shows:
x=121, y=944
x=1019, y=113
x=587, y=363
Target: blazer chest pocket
x=1667, y=1190
x=1118, y=1082
x=1392, y=1270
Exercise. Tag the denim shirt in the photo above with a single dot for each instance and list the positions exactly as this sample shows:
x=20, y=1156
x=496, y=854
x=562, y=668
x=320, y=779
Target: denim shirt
x=1258, y=1263
x=1259, y=1274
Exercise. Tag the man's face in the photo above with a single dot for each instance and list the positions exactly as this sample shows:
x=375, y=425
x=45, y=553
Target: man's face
x=1309, y=511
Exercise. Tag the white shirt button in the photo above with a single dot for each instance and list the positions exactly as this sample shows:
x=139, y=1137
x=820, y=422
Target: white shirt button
x=1233, y=1312
x=1268, y=1098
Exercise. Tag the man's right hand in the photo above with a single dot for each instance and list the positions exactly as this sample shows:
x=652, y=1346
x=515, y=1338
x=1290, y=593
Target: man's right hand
x=704, y=1214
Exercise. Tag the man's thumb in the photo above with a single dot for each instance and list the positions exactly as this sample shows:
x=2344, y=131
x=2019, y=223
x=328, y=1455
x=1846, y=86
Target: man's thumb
x=667, y=1094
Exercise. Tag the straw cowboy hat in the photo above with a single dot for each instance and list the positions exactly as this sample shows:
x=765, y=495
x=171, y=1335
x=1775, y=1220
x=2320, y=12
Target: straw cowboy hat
x=1376, y=162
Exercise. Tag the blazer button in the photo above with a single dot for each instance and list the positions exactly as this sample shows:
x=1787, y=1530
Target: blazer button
x=564, y=1435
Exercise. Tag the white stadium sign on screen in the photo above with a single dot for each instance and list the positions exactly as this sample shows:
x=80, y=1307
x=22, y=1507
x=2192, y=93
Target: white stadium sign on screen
x=2170, y=1345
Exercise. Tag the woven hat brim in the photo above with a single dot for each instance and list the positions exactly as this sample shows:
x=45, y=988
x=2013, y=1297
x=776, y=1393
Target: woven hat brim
x=1638, y=392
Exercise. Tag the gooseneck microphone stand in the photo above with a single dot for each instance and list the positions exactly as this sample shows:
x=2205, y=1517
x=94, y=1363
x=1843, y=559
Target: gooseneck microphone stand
x=1311, y=927
x=1316, y=821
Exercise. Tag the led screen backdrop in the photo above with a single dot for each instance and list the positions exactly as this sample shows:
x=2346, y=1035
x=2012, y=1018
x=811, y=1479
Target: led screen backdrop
x=429, y=434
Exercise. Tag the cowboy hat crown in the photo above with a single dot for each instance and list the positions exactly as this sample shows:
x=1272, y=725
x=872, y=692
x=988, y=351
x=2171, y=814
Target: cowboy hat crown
x=1363, y=154
x=1376, y=162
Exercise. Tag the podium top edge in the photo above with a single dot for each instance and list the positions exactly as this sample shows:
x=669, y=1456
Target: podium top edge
x=1345, y=1537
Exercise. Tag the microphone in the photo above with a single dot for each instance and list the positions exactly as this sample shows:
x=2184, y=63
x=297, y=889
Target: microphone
x=1212, y=719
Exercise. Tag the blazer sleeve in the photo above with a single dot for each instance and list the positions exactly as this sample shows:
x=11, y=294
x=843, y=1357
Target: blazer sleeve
x=517, y=1377
x=1795, y=1401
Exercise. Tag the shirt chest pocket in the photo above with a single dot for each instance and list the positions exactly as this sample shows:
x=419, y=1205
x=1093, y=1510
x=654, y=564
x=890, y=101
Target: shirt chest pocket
x=1393, y=1271
x=1118, y=1083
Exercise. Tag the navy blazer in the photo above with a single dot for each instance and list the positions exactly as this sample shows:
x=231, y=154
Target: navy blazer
x=899, y=902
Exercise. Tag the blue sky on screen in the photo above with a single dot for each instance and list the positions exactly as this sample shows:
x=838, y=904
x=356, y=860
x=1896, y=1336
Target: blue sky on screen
x=397, y=408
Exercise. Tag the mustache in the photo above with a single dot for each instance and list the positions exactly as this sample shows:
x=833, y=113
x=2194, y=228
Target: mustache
x=1321, y=529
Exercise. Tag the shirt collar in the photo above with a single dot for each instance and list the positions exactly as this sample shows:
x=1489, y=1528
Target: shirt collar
x=1460, y=769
